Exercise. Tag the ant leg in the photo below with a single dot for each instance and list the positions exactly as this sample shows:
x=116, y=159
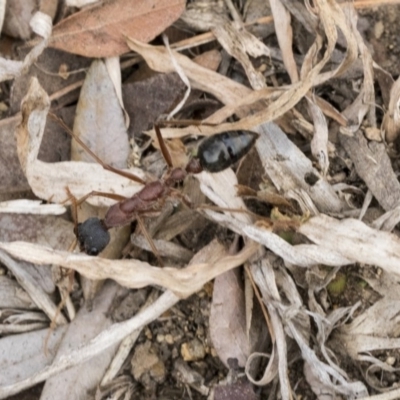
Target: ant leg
x=163, y=147
x=149, y=239
x=186, y=201
x=78, y=202
x=187, y=122
x=183, y=198
x=74, y=208
x=106, y=166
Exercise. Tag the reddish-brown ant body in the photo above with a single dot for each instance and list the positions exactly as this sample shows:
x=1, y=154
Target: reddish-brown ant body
x=214, y=154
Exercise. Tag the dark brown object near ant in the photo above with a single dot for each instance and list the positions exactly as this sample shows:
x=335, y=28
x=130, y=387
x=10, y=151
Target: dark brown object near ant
x=215, y=154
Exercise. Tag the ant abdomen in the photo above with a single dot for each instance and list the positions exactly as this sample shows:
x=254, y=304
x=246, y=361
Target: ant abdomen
x=221, y=151
x=93, y=236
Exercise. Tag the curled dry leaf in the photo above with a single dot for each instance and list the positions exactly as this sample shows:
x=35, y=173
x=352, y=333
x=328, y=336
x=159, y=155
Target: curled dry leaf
x=201, y=78
x=224, y=89
x=240, y=43
x=100, y=31
x=355, y=240
x=49, y=181
x=263, y=274
x=132, y=273
x=374, y=329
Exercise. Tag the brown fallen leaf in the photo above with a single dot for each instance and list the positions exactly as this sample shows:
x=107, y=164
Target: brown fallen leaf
x=236, y=391
x=101, y=30
x=228, y=319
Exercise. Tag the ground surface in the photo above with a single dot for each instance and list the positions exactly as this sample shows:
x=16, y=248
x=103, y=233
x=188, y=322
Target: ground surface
x=154, y=367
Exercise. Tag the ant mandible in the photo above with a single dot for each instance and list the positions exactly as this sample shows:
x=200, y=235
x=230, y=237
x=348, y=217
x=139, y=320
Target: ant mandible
x=215, y=154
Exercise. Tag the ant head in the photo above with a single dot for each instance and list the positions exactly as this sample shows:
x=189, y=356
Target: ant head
x=92, y=236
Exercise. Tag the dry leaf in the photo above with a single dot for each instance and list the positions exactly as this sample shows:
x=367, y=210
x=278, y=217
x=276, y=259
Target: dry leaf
x=87, y=324
x=23, y=355
x=17, y=17
x=49, y=181
x=284, y=34
x=319, y=142
x=13, y=296
x=236, y=391
x=227, y=319
x=99, y=120
x=100, y=31
x=355, y=240
x=41, y=24
x=391, y=119
x=80, y=3
x=11, y=174
x=158, y=59
x=96, y=346
x=240, y=43
x=132, y=273
x=373, y=165
x=209, y=59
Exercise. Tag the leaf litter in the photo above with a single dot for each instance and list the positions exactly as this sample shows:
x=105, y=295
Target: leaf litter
x=339, y=220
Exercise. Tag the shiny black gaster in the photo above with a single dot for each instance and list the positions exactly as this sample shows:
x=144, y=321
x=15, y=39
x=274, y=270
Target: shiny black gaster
x=221, y=151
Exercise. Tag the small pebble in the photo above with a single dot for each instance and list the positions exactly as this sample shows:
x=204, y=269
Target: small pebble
x=158, y=372
x=390, y=360
x=148, y=334
x=193, y=350
x=146, y=364
x=169, y=338
x=160, y=338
